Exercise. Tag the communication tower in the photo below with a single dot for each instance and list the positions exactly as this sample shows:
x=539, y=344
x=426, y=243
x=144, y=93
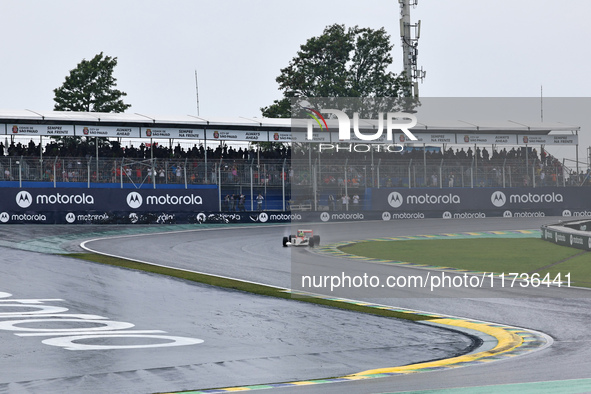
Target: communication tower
x=410, y=34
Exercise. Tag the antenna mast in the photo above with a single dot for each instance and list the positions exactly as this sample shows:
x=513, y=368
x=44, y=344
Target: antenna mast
x=197, y=92
x=410, y=34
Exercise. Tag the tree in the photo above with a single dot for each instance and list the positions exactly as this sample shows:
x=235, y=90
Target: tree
x=340, y=63
x=90, y=87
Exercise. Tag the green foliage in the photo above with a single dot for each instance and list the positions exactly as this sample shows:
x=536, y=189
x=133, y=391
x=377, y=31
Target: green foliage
x=341, y=62
x=90, y=87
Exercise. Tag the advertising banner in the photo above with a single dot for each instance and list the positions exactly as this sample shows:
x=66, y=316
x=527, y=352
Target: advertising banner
x=236, y=135
x=550, y=139
x=38, y=129
x=174, y=133
x=542, y=199
x=423, y=138
x=567, y=237
x=27, y=200
x=108, y=131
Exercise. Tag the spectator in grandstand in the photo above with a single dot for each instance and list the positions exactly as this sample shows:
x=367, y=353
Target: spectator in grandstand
x=450, y=181
x=356, y=202
x=241, y=201
x=345, y=202
x=485, y=155
x=331, y=202
x=232, y=202
x=260, y=199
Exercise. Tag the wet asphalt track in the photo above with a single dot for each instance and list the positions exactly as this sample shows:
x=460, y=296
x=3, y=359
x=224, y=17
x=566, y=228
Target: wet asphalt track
x=254, y=254
x=250, y=339
x=247, y=339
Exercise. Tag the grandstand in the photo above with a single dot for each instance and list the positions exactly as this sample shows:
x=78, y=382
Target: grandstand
x=147, y=152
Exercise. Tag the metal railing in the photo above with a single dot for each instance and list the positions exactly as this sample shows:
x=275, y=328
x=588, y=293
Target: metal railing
x=297, y=172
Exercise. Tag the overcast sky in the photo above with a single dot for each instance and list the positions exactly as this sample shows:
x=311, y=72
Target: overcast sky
x=468, y=48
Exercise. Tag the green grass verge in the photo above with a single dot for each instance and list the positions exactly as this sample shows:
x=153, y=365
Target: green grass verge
x=484, y=254
x=240, y=285
x=579, y=268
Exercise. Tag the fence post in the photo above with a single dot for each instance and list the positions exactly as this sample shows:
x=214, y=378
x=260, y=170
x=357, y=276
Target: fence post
x=346, y=189
x=378, y=171
x=185, y=171
x=55, y=173
x=251, y=189
x=282, y=183
x=219, y=168
x=20, y=177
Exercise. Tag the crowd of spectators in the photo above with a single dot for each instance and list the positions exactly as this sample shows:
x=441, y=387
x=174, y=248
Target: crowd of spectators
x=457, y=167
x=78, y=147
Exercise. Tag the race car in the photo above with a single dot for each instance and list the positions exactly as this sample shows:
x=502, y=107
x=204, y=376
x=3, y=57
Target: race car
x=302, y=238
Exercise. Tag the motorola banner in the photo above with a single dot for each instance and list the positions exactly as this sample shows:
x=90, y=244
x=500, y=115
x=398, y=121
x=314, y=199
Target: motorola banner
x=483, y=200
x=564, y=236
x=24, y=201
x=137, y=217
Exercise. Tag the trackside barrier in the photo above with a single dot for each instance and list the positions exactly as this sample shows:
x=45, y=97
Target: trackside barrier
x=575, y=234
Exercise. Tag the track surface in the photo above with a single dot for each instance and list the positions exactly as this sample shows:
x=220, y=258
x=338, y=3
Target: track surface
x=255, y=254
x=248, y=339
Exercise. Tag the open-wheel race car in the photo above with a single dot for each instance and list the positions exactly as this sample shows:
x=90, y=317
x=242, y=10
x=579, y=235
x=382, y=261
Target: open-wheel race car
x=302, y=238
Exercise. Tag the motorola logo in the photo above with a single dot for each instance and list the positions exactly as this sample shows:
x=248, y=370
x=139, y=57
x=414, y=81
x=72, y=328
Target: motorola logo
x=70, y=217
x=134, y=200
x=395, y=199
x=447, y=215
x=566, y=213
x=4, y=217
x=24, y=199
x=325, y=216
x=498, y=199
x=263, y=217
x=507, y=214
x=386, y=216
x=201, y=217
x=133, y=217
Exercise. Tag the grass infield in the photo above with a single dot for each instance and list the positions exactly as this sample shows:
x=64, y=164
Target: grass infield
x=522, y=255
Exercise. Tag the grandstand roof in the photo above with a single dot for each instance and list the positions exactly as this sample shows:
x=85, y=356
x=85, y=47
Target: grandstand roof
x=22, y=116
